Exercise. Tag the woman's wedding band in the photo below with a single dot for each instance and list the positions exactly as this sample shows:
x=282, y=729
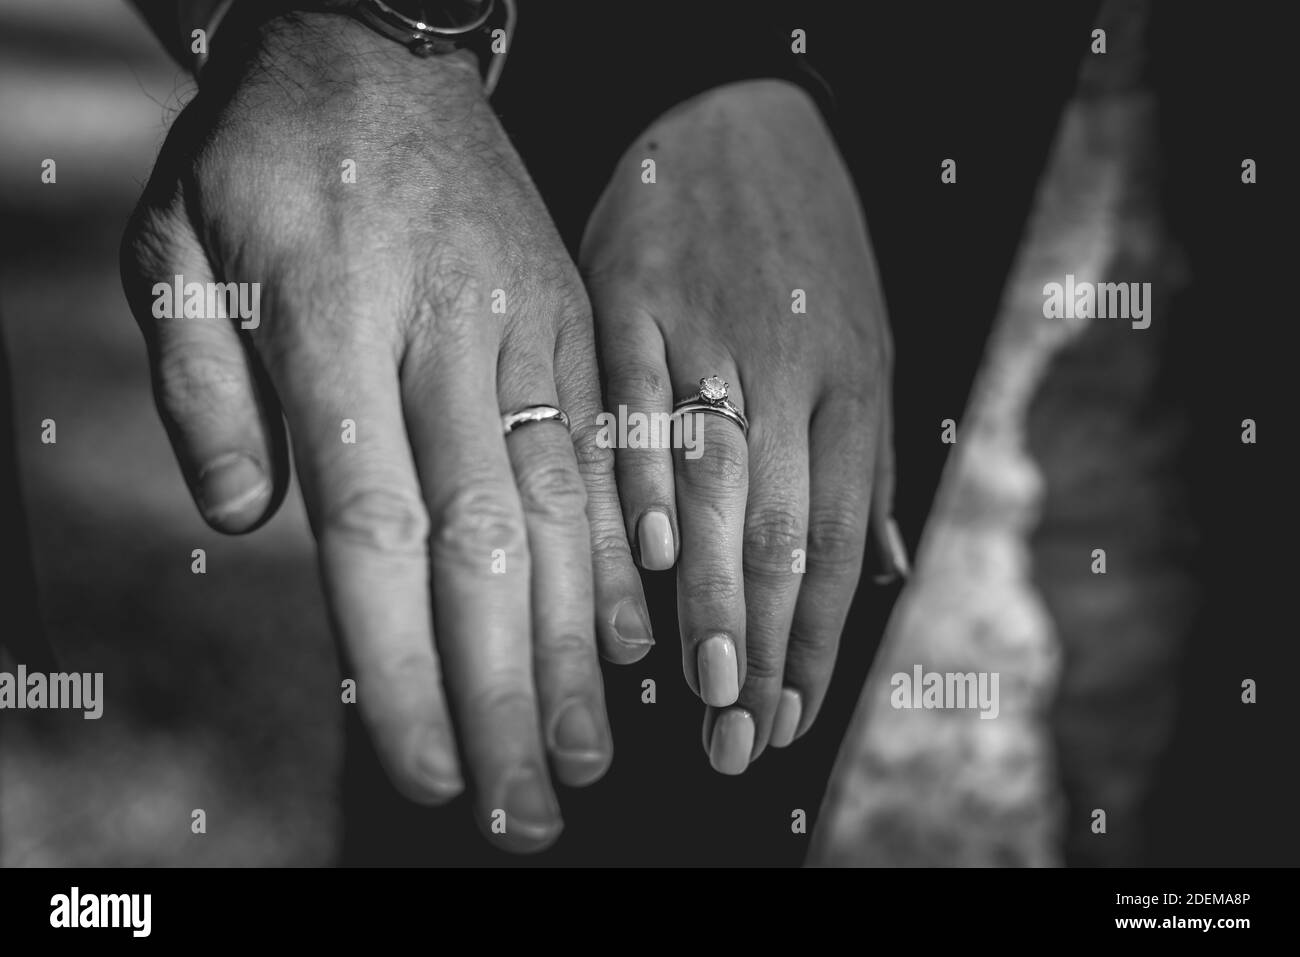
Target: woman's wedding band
x=530, y=414
x=712, y=398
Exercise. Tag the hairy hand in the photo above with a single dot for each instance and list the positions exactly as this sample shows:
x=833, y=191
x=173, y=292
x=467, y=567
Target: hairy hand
x=411, y=287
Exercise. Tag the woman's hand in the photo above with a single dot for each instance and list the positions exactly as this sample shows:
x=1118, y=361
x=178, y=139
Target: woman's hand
x=412, y=288
x=706, y=271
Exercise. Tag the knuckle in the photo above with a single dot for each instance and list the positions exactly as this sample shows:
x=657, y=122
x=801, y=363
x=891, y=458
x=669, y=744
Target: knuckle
x=609, y=544
x=773, y=533
x=637, y=382
x=450, y=288
x=836, y=540
x=572, y=654
x=479, y=517
x=193, y=382
x=594, y=461
x=574, y=305
x=569, y=645
x=764, y=667
x=377, y=681
x=503, y=698
x=454, y=285
x=870, y=356
x=523, y=359
x=552, y=489
x=382, y=519
x=858, y=395
x=811, y=655
x=711, y=588
x=723, y=466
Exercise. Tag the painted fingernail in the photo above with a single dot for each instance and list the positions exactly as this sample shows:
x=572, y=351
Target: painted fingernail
x=576, y=732
x=630, y=624
x=788, y=711
x=229, y=484
x=438, y=768
x=529, y=805
x=733, y=742
x=719, y=675
x=893, y=556
x=654, y=536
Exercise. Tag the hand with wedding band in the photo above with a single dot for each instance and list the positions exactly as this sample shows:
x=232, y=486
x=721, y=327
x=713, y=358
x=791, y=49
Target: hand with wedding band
x=693, y=279
x=426, y=302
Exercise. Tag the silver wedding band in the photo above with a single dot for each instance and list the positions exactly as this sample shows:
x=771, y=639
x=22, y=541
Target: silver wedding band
x=530, y=414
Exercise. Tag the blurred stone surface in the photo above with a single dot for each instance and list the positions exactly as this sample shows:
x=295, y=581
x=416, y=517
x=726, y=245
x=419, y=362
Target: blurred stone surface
x=1110, y=444
x=1054, y=458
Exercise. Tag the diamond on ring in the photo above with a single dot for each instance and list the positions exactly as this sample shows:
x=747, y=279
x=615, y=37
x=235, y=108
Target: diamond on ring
x=713, y=389
x=713, y=398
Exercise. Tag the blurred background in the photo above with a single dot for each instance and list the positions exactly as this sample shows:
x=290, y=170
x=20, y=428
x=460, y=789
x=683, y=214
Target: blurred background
x=221, y=689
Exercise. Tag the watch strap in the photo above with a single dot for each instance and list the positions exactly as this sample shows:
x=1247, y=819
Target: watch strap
x=489, y=39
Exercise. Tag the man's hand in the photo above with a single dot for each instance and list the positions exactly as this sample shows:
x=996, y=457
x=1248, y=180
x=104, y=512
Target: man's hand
x=696, y=275
x=418, y=299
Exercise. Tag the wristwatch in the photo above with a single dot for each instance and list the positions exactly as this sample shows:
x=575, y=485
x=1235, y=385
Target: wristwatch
x=425, y=27
x=430, y=27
